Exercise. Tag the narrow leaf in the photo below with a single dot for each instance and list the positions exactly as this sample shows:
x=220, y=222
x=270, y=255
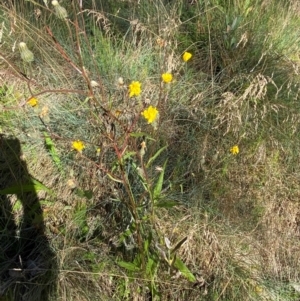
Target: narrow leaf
x=234, y=23
x=147, y=243
x=52, y=150
x=159, y=184
x=84, y=193
x=40, y=186
x=149, y=266
x=178, y=264
x=155, y=156
x=128, y=155
x=16, y=189
x=141, y=134
x=166, y=204
x=32, y=186
x=128, y=266
x=178, y=245
x=114, y=179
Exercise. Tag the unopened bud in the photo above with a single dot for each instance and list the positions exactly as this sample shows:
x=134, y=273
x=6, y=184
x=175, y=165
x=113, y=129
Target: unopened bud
x=72, y=183
x=26, y=55
x=143, y=149
x=120, y=81
x=60, y=11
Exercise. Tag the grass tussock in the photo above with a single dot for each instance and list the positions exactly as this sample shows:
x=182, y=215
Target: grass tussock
x=149, y=150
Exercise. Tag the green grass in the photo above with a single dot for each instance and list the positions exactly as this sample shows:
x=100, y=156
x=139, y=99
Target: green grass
x=186, y=220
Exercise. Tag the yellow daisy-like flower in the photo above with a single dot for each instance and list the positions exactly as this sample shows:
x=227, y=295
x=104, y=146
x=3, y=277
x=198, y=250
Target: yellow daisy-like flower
x=235, y=150
x=150, y=114
x=33, y=102
x=135, y=89
x=186, y=56
x=78, y=145
x=167, y=77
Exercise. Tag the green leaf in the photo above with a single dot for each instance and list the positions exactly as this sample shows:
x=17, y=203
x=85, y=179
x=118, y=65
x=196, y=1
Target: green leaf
x=52, y=150
x=233, y=42
x=128, y=232
x=247, y=8
x=159, y=184
x=227, y=18
x=89, y=256
x=84, y=193
x=235, y=23
x=3, y=90
x=40, y=186
x=17, y=205
x=128, y=155
x=178, y=264
x=141, y=134
x=32, y=186
x=147, y=243
x=47, y=203
x=155, y=156
x=165, y=204
x=149, y=266
x=128, y=266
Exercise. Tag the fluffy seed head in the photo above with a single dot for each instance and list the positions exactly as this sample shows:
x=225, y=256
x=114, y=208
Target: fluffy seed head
x=26, y=55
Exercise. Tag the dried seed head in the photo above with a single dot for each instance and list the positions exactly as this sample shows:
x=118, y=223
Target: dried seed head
x=72, y=183
x=26, y=55
x=94, y=84
x=60, y=11
x=143, y=148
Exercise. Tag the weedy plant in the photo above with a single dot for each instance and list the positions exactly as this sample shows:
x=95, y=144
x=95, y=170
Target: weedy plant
x=164, y=131
x=120, y=148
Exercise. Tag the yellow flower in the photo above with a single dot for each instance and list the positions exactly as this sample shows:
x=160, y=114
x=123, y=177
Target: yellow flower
x=235, y=150
x=78, y=145
x=33, y=102
x=167, y=77
x=186, y=56
x=150, y=114
x=134, y=89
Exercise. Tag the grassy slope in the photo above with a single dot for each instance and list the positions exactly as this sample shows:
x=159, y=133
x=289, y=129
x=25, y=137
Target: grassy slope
x=238, y=215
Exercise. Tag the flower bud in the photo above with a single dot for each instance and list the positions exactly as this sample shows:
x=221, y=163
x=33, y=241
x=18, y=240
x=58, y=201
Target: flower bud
x=26, y=55
x=60, y=11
